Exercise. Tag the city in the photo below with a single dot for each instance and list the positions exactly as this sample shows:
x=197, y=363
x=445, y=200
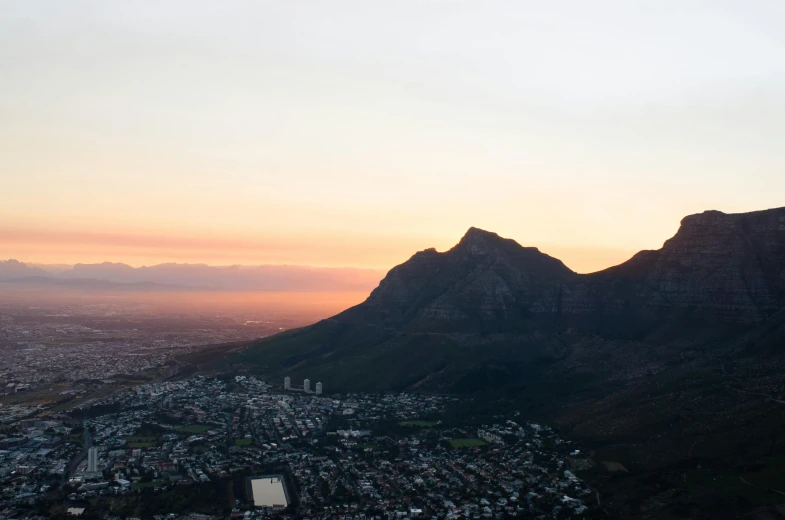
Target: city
x=151, y=450
x=66, y=352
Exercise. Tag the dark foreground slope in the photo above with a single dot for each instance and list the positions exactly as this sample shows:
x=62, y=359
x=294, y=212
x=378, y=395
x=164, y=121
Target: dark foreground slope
x=672, y=364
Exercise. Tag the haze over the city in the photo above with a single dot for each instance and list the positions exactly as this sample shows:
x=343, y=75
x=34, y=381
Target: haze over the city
x=354, y=133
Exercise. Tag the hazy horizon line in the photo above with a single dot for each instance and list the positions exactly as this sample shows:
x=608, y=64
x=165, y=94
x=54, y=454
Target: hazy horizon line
x=41, y=265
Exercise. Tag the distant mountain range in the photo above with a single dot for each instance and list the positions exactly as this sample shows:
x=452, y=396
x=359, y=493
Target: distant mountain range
x=268, y=278
x=13, y=269
x=672, y=363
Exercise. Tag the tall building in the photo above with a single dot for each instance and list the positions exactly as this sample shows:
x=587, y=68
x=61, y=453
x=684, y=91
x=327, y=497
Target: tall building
x=318, y=388
x=92, y=460
x=307, y=385
x=287, y=383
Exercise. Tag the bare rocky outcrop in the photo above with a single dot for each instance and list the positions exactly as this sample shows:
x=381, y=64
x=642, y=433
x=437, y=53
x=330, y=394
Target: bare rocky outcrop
x=717, y=267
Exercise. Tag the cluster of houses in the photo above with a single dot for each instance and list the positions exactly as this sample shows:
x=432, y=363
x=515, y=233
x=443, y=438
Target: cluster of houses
x=357, y=454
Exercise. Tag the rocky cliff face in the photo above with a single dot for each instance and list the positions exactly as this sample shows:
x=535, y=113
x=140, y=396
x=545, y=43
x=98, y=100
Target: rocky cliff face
x=729, y=267
x=483, y=283
x=717, y=267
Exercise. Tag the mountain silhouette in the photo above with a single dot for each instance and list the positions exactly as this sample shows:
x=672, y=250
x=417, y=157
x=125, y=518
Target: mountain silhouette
x=719, y=276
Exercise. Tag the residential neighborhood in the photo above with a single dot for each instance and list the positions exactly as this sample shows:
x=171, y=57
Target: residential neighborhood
x=384, y=455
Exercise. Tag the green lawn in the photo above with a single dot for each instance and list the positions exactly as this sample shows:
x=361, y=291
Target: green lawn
x=77, y=439
x=195, y=428
x=243, y=442
x=466, y=443
x=418, y=424
x=141, y=441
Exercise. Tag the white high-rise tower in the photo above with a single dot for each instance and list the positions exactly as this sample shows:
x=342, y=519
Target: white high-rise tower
x=92, y=460
x=287, y=383
x=318, y=388
x=307, y=385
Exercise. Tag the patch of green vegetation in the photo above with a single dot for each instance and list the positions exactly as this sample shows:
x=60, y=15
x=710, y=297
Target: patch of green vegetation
x=349, y=358
x=418, y=424
x=195, y=428
x=77, y=439
x=466, y=443
x=243, y=442
x=140, y=441
x=365, y=446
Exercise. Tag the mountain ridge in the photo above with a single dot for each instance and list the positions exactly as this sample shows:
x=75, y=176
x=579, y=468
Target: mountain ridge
x=720, y=274
x=270, y=278
x=711, y=266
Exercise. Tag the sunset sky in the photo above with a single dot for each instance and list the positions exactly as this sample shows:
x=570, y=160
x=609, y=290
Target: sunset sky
x=354, y=133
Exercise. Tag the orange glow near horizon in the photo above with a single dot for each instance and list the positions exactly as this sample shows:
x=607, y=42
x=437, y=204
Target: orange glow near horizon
x=46, y=247
x=304, y=308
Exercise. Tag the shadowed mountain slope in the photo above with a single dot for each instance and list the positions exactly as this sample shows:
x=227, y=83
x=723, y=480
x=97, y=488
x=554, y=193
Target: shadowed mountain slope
x=489, y=300
x=717, y=267
x=483, y=284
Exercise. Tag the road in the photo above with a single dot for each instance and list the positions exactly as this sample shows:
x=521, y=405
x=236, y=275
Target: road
x=79, y=457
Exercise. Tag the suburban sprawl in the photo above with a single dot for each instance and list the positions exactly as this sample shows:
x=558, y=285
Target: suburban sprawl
x=234, y=446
